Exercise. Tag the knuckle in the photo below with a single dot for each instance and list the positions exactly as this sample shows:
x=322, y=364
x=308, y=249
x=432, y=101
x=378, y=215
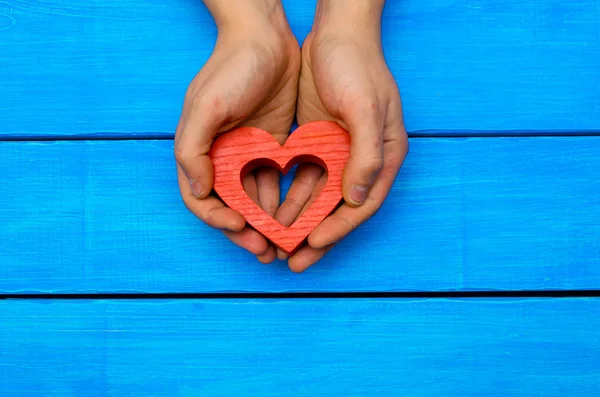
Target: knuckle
x=309, y=175
x=183, y=155
x=180, y=153
x=270, y=207
x=372, y=166
x=208, y=218
x=305, y=181
x=213, y=105
x=348, y=222
x=372, y=205
x=199, y=103
x=267, y=183
x=293, y=201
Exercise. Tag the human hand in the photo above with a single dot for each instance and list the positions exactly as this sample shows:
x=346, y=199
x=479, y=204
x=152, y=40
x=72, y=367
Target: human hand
x=251, y=79
x=344, y=78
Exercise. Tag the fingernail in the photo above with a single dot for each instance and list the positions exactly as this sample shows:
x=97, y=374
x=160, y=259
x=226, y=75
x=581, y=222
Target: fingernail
x=358, y=194
x=196, y=188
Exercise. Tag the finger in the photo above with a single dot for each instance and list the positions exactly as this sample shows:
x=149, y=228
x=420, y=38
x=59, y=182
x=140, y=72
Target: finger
x=266, y=194
x=266, y=255
x=269, y=255
x=249, y=239
x=306, y=257
x=299, y=193
x=315, y=193
x=267, y=183
x=195, y=132
x=210, y=210
x=366, y=152
x=313, y=196
x=249, y=185
x=346, y=218
x=281, y=255
x=306, y=180
x=263, y=187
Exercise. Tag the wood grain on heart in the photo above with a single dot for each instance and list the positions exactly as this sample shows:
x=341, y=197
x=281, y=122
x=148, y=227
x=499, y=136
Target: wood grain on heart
x=238, y=152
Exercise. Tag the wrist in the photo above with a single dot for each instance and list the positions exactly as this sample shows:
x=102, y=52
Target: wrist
x=248, y=15
x=350, y=17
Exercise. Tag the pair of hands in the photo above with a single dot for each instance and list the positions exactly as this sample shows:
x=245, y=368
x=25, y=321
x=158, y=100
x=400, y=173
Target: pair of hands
x=258, y=76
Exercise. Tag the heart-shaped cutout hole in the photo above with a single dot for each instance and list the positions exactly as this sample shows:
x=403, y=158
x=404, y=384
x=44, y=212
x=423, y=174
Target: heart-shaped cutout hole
x=280, y=193
x=239, y=151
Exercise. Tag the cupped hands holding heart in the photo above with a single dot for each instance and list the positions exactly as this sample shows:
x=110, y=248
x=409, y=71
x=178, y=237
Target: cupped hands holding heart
x=258, y=77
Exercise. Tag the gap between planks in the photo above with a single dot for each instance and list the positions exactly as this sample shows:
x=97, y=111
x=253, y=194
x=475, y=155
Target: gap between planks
x=140, y=136
x=309, y=295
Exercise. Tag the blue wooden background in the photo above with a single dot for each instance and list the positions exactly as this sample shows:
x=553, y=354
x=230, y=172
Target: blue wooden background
x=500, y=192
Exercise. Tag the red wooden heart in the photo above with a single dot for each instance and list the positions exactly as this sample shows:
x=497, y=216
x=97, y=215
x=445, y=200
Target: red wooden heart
x=238, y=152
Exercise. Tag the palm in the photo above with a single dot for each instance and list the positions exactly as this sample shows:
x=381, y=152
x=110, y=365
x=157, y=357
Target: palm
x=257, y=85
x=275, y=112
x=310, y=107
x=334, y=78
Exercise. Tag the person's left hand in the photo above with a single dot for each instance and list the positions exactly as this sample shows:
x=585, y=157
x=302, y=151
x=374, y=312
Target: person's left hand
x=344, y=78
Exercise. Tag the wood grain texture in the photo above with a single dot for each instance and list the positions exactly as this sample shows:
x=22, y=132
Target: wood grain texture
x=421, y=348
x=464, y=214
x=242, y=150
x=111, y=67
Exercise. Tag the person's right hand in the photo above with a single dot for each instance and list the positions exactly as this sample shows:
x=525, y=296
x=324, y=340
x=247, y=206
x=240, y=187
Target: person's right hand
x=251, y=79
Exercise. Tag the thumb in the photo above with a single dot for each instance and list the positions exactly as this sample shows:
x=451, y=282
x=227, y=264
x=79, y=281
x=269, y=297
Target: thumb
x=365, y=161
x=192, y=144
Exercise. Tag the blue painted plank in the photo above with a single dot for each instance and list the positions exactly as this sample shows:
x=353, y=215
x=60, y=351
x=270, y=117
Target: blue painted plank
x=464, y=214
x=111, y=67
x=351, y=347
